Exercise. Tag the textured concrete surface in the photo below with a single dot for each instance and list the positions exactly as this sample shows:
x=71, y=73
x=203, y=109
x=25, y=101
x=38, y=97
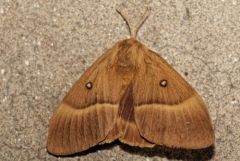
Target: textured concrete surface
x=46, y=45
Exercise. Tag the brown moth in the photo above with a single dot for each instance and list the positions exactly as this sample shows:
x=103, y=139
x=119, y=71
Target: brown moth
x=132, y=94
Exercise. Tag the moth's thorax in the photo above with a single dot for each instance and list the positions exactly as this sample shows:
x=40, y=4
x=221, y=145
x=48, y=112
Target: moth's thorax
x=128, y=56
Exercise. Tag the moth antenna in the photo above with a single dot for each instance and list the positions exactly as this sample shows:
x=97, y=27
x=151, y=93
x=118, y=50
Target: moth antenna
x=140, y=22
x=134, y=28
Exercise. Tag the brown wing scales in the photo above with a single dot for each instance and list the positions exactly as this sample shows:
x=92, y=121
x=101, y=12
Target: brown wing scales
x=174, y=114
x=86, y=115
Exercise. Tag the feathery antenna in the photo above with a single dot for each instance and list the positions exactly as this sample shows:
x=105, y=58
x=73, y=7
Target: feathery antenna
x=133, y=28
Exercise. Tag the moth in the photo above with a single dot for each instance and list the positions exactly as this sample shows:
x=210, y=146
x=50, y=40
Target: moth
x=131, y=94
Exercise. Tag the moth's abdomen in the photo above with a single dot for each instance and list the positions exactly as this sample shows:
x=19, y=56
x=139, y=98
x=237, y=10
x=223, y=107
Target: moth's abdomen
x=125, y=128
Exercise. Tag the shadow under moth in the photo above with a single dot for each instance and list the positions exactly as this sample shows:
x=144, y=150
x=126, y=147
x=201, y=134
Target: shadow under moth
x=131, y=94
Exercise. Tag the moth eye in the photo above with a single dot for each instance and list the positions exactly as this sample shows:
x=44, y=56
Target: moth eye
x=89, y=85
x=163, y=83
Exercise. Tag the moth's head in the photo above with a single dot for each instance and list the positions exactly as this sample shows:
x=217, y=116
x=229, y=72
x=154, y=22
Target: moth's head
x=129, y=43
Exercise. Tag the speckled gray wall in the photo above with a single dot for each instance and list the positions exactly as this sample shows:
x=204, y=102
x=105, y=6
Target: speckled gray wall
x=46, y=45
